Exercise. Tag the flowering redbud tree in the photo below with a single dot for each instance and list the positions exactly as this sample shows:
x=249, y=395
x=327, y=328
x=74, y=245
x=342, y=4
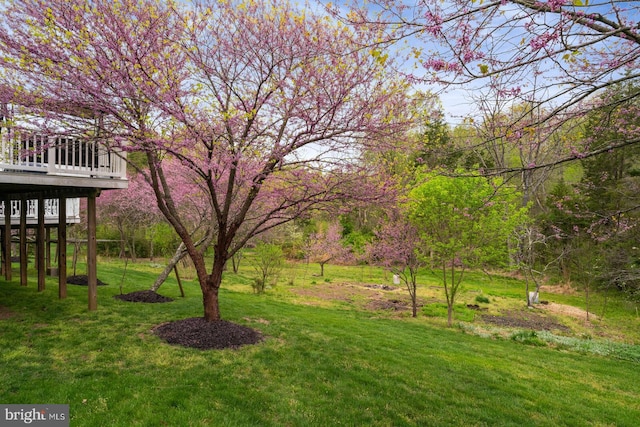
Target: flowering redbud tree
x=266, y=105
x=552, y=58
x=398, y=247
x=326, y=245
x=128, y=210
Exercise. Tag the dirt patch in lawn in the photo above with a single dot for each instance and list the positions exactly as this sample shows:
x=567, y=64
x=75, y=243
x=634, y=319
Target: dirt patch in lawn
x=143, y=296
x=561, y=289
x=525, y=320
x=338, y=291
x=198, y=333
x=369, y=296
x=377, y=297
x=5, y=313
x=567, y=310
x=389, y=304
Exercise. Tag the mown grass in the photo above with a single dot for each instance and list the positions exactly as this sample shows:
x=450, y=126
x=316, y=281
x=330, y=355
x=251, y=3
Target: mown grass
x=319, y=365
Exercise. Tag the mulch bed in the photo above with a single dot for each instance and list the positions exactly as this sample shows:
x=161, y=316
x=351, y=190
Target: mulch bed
x=198, y=333
x=514, y=319
x=143, y=296
x=82, y=280
x=382, y=287
x=393, y=305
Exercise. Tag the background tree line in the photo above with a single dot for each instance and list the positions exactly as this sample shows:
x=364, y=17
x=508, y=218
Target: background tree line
x=571, y=222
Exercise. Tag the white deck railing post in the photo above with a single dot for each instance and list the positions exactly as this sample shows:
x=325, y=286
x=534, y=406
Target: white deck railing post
x=51, y=156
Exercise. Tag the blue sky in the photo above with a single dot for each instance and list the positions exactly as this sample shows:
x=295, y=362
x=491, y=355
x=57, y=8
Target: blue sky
x=458, y=101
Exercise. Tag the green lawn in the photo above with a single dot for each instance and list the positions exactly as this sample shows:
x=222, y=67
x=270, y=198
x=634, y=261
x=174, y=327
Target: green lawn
x=320, y=365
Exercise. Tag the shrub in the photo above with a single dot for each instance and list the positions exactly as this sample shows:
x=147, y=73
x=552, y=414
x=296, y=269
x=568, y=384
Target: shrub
x=529, y=338
x=268, y=263
x=258, y=285
x=482, y=299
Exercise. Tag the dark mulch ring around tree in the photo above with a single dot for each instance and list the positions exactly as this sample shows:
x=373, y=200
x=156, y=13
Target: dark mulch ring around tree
x=143, y=296
x=82, y=280
x=198, y=333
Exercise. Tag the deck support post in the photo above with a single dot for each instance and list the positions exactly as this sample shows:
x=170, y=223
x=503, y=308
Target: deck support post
x=92, y=251
x=47, y=250
x=40, y=245
x=6, y=241
x=23, y=241
x=62, y=247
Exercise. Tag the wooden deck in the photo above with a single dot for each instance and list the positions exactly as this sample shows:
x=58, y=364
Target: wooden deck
x=58, y=162
x=40, y=178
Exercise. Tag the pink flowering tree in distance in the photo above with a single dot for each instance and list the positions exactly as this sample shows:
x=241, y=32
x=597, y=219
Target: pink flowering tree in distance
x=266, y=106
x=128, y=210
x=326, y=245
x=550, y=59
x=397, y=246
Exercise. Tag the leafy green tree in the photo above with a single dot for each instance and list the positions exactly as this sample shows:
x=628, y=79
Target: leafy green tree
x=268, y=263
x=435, y=144
x=465, y=223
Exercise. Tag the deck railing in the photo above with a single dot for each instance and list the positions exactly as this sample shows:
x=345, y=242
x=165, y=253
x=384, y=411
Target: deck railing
x=51, y=209
x=59, y=155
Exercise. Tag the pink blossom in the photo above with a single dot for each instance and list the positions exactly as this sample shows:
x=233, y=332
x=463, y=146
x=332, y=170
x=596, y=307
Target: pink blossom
x=440, y=65
x=541, y=41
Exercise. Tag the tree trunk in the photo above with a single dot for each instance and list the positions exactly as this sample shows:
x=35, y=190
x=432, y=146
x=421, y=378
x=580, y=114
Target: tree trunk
x=413, y=293
x=181, y=252
x=414, y=303
x=151, y=248
x=526, y=288
x=235, y=260
x=586, y=296
x=566, y=271
x=123, y=241
x=132, y=249
x=211, y=303
x=449, y=290
x=210, y=289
